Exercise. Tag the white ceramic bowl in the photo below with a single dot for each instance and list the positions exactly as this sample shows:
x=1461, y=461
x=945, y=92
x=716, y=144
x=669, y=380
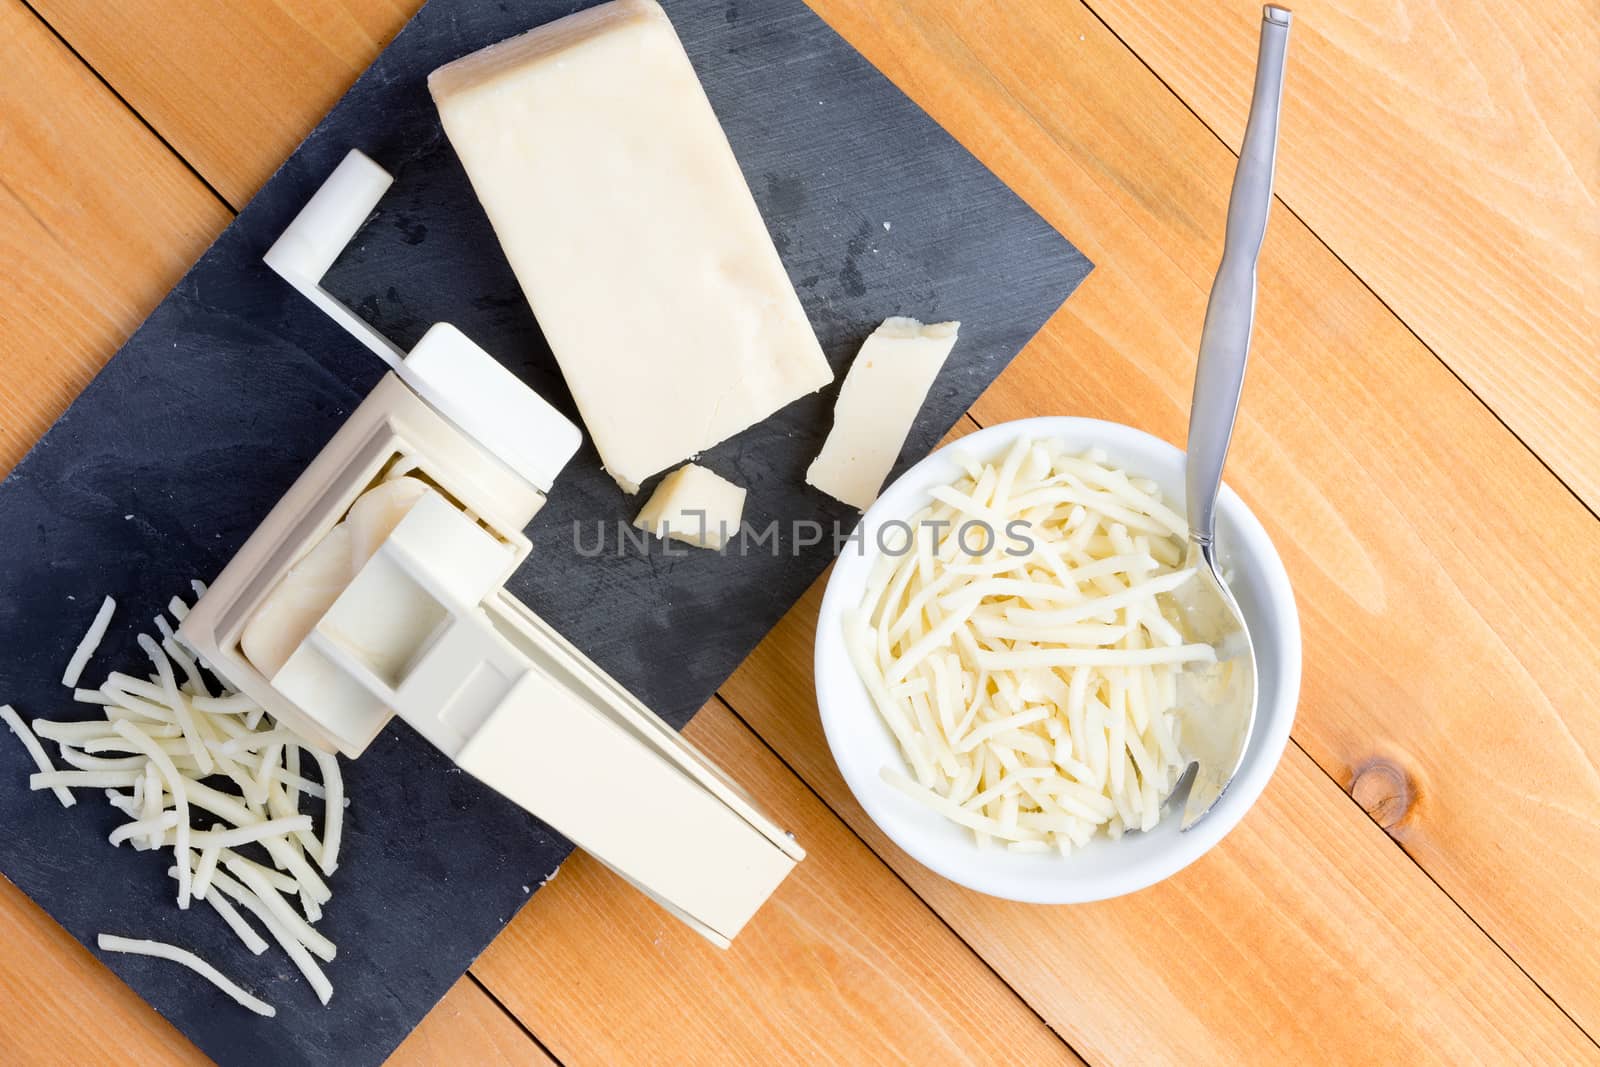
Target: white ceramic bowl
x=862, y=744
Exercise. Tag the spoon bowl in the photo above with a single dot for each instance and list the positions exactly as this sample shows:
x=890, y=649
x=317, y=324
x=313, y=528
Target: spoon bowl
x=1216, y=701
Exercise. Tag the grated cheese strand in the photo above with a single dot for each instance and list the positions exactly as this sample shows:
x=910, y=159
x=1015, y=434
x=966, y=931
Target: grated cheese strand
x=278, y=906
x=162, y=950
x=179, y=705
x=180, y=801
x=272, y=919
x=333, y=809
x=206, y=868
x=230, y=915
x=35, y=750
x=89, y=645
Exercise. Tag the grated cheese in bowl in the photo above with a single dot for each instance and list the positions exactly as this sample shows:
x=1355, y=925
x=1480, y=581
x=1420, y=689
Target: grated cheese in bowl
x=201, y=770
x=1020, y=644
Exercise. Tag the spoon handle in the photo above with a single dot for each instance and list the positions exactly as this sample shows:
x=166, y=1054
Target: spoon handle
x=1230, y=313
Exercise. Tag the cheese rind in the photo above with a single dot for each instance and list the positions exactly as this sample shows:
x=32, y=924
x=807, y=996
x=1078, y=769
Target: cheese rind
x=630, y=227
x=696, y=506
x=882, y=393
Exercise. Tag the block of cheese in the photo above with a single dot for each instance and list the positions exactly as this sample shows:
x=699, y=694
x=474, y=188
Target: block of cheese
x=630, y=227
x=882, y=393
x=696, y=506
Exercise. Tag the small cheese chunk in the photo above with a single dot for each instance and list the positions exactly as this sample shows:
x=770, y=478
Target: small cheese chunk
x=694, y=505
x=628, y=223
x=878, y=402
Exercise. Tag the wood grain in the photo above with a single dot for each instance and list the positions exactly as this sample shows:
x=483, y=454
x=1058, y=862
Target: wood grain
x=1285, y=944
x=468, y=1027
x=97, y=221
x=842, y=965
x=232, y=87
x=1445, y=579
x=1474, y=208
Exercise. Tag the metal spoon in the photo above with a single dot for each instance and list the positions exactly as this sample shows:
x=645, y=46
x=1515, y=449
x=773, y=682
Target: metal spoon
x=1218, y=701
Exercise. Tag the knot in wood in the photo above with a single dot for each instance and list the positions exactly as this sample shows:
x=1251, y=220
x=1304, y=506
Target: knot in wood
x=1384, y=790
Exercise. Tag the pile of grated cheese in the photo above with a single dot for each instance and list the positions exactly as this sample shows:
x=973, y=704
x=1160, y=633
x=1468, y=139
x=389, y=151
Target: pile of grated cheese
x=199, y=768
x=1029, y=674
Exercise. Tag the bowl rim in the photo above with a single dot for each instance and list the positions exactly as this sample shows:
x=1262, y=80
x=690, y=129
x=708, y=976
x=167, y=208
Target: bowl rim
x=1268, y=742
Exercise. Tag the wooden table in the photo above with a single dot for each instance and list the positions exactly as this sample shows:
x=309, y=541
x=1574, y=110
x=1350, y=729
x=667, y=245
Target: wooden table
x=1421, y=435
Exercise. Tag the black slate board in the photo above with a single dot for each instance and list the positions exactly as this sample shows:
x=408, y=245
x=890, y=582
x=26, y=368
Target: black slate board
x=181, y=445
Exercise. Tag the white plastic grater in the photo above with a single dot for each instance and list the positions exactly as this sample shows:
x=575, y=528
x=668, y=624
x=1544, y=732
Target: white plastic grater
x=424, y=630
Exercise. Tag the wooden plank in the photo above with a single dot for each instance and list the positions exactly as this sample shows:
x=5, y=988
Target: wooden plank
x=1305, y=937
x=1445, y=579
x=1448, y=154
x=468, y=1027
x=843, y=964
x=233, y=87
x=97, y=221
